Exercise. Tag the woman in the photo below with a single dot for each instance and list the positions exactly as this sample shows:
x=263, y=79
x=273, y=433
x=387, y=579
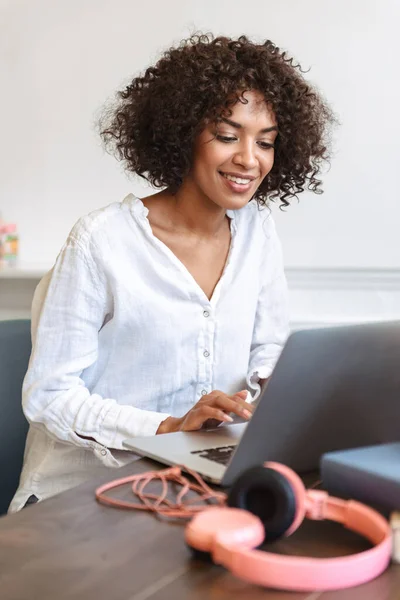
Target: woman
x=162, y=313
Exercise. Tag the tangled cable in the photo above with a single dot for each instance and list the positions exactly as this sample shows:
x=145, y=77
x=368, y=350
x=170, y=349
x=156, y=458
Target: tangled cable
x=160, y=504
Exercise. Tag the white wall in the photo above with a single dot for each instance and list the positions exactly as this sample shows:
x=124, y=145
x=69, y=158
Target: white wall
x=60, y=60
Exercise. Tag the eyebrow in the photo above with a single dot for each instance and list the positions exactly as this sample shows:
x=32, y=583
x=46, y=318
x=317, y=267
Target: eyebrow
x=239, y=126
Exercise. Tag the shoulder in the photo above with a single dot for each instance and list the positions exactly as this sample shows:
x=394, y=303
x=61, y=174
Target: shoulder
x=103, y=224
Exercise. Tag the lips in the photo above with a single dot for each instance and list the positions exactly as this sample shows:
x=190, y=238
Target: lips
x=237, y=188
x=238, y=176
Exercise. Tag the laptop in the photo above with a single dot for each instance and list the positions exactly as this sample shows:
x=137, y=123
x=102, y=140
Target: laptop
x=331, y=389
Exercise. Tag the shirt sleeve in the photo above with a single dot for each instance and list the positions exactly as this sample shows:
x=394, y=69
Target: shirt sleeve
x=69, y=308
x=271, y=327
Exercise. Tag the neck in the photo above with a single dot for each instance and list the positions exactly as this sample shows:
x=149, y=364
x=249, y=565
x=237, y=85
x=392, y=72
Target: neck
x=196, y=214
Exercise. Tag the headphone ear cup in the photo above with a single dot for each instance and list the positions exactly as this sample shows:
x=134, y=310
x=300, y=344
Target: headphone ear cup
x=267, y=494
x=213, y=525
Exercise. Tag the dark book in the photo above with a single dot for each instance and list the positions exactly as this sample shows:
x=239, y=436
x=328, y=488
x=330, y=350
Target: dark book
x=370, y=474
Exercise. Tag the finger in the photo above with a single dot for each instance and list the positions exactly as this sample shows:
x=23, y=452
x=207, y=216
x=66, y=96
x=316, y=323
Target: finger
x=242, y=395
x=243, y=402
x=233, y=404
x=197, y=416
x=211, y=412
x=245, y=397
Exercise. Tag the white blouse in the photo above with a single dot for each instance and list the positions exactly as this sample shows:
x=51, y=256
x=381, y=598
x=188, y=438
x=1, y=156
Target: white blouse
x=123, y=337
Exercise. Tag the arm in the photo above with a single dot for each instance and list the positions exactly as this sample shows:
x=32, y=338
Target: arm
x=271, y=326
x=69, y=309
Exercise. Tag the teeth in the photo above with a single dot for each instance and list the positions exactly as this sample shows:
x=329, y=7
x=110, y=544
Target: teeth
x=236, y=179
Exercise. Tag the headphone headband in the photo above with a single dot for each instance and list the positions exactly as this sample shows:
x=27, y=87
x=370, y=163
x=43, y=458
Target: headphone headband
x=306, y=573
x=351, y=514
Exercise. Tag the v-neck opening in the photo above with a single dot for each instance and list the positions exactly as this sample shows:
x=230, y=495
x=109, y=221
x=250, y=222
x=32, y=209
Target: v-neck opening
x=141, y=211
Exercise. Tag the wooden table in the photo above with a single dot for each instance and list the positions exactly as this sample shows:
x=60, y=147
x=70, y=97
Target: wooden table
x=71, y=547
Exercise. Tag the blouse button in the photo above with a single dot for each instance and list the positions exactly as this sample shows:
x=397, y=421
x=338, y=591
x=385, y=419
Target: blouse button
x=206, y=313
x=104, y=452
x=203, y=392
x=206, y=353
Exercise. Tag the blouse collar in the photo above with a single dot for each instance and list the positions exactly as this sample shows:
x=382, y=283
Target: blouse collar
x=141, y=211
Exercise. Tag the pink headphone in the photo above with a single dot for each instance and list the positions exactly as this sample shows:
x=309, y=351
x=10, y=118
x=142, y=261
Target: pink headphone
x=275, y=503
x=264, y=504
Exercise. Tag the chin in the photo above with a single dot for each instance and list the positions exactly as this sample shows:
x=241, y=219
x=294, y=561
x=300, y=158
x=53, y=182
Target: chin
x=233, y=203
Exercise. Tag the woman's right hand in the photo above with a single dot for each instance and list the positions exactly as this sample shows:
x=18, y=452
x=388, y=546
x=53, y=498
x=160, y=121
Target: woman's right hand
x=213, y=406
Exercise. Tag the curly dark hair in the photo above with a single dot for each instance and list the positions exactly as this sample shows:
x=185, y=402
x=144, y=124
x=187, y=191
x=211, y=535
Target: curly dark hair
x=157, y=117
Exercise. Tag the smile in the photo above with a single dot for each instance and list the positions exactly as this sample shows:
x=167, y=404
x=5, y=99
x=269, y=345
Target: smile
x=239, y=180
x=237, y=185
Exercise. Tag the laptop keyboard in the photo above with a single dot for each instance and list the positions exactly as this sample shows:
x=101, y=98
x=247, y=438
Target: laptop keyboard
x=221, y=454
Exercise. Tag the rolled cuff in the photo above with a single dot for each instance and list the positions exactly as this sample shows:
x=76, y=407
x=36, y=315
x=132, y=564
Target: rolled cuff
x=254, y=376
x=131, y=422
x=127, y=422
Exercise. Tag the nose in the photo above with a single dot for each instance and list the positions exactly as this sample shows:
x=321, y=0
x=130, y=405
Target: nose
x=245, y=156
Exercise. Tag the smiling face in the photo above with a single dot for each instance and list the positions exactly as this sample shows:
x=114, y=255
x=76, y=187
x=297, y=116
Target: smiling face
x=232, y=157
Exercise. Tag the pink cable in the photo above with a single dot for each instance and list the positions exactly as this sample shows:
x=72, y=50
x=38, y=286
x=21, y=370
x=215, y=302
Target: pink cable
x=160, y=503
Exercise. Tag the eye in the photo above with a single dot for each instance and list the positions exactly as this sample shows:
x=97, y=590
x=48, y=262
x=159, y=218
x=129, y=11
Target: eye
x=266, y=145
x=225, y=139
